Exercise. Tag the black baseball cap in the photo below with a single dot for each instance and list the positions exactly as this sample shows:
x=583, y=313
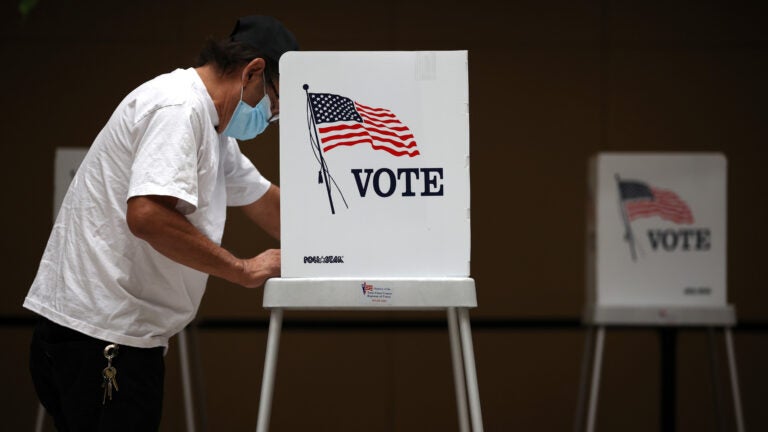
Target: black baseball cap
x=266, y=34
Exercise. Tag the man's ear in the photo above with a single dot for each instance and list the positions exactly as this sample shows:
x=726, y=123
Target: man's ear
x=255, y=68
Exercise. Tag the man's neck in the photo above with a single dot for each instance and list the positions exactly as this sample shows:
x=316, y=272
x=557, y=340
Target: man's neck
x=218, y=87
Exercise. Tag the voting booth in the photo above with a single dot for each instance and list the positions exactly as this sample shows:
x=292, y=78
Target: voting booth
x=656, y=247
x=66, y=161
x=65, y=164
x=374, y=164
x=375, y=204
x=657, y=239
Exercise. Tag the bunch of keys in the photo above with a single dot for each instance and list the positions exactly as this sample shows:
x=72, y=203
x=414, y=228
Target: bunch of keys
x=109, y=372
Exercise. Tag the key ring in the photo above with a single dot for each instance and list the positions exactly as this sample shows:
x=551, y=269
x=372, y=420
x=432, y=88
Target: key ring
x=110, y=351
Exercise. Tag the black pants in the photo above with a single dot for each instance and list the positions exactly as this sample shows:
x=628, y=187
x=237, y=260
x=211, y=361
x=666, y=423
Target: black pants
x=67, y=367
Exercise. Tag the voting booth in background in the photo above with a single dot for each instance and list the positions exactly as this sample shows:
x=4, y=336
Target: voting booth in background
x=657, y=240
x=66, y=161
x=65, y=164
x=656, y=248
x=375, y=205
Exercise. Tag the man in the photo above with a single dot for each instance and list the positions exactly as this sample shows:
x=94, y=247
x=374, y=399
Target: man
x=139, y=230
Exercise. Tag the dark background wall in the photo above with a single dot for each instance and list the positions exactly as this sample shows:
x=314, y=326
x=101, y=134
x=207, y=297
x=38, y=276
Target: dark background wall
x=551, y=83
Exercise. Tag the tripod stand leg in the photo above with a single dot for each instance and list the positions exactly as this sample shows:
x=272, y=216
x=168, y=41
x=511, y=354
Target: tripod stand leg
x=578, y=422
x=40, y=418
x=469, y=369
x=458, y=370
x=595, y=388
x=734, y=380
x=714, y=368
x=186, y=381
x=270, y=366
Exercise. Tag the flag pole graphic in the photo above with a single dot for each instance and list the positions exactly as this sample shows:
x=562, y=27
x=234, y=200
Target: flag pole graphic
x=628, y=235
x=323, y=174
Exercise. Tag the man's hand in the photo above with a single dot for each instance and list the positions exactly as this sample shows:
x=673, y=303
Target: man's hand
x=258, y=269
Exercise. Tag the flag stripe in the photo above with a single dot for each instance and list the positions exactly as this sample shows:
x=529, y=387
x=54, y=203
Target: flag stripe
x=372, y=109
x=389, y=132
x=397, y=143
x=358, y=126
x=380, y=119
x=389, y=126
x=374, y=114
x=348, y=143
x=328, y=138
x=328, y=129
x=395, y=152
x=338, y=127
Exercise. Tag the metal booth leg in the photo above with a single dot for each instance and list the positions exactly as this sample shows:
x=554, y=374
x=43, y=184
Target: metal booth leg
x=734, y=380
x=714, y=369
x=186, y=381
x=595, y=387
x=458, y=370
x=469, y=368
x=578, y=422
x=270, y=366
x=40, y=418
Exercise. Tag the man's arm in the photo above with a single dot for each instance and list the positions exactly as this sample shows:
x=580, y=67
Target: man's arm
x=265, y=211
x=155, y=220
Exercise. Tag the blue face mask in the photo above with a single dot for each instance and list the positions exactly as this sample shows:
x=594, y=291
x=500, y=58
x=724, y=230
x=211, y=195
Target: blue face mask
x=248, y=121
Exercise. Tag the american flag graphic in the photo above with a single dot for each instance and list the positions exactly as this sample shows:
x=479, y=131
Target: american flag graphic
x=641, y=200
x=366, y=287
x=340, y=121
